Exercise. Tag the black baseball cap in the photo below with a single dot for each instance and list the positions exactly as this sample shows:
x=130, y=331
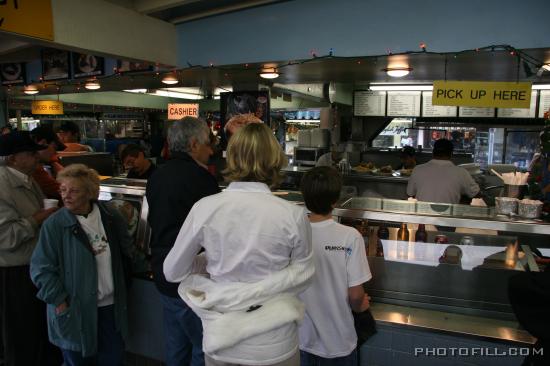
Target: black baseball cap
x=16, y=142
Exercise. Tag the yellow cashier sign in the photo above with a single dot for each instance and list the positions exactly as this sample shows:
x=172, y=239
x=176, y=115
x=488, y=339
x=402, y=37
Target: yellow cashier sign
x=27, y=17
x=482, y=94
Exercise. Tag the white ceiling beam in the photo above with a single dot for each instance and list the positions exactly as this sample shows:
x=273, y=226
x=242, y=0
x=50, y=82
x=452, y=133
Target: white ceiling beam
x=151, y=6
x=104, y=28
x=221, y=10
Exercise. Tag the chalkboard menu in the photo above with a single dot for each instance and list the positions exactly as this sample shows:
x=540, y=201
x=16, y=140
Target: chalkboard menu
x=520, y=112
x=544, y=104
x=369, y=103
x=476, y=112
x=430, y=110
x=404, y=104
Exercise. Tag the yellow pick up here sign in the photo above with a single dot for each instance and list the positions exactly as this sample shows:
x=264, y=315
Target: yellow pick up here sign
x=482, y=94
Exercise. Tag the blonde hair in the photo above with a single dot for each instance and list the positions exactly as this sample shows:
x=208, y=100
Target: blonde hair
x=254, y=155
x=87, y=176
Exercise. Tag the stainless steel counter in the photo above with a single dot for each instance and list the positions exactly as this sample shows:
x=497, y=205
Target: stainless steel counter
x=483, y=328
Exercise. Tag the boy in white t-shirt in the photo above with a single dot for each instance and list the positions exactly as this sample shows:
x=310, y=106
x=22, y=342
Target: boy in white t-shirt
x=327, y=334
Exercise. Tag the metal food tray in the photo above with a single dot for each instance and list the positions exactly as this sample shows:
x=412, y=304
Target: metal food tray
x=430, y=208
x=399, y=206
x=472, y=211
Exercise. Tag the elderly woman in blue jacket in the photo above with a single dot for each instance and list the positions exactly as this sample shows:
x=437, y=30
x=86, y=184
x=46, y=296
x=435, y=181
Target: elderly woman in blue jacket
x=78, y=269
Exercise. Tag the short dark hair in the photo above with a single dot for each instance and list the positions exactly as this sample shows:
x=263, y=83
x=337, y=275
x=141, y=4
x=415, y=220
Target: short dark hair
x=69, y=127
x=321, y=188
x=443, y=148
x=131, y=150
x=45, y=132
x=408, y=151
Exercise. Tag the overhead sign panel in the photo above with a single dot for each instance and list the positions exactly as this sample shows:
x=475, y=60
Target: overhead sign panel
x=47, y=107
x=178, y=111
x=29, y=18
x=482, y=94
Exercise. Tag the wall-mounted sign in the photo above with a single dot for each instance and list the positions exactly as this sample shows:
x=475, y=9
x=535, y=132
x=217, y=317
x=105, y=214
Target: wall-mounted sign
x=30, y=18
x=369, y=103
x=430, y=110
x=55, y=64
x=476, y=112
x=178, y=111
x=85, y=65
x=520, y=112
x=482, y=94
x=12, y=73
x=47, y=107
x=404, y=103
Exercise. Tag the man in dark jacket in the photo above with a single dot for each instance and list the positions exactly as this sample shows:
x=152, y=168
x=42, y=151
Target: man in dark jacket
x=171, y=193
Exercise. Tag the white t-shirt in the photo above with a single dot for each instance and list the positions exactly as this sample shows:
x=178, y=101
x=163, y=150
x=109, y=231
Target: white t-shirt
x=340, y=263
x=441, y=181
x=93, y=227
x=248, y=234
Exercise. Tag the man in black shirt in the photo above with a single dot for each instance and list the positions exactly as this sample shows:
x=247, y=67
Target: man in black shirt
x=133, y=158
x=171, y=193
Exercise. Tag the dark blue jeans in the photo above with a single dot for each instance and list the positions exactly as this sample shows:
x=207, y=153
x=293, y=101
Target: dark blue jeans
x=308, y=359
x=110, y=345
x=182, y=333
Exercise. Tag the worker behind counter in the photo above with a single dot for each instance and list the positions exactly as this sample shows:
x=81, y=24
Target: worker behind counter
x=133, y=158
x=407, y=158
x=439, y=180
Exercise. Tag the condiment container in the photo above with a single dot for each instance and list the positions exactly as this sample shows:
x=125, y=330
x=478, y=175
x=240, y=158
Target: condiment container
x=530, y=209
x=506, y=205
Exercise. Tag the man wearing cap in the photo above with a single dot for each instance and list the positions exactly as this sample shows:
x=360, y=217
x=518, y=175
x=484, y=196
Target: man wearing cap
x=440, y=180
x=22, y=315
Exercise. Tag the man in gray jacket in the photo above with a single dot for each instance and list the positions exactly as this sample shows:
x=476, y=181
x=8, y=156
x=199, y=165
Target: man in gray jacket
x=22, y=315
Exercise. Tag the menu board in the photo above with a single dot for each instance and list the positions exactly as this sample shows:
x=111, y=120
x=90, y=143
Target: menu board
x=544, y=104
x=430, y=110
x=476, y=112
x=520, y=112
x=369, y=103
x=404, y=104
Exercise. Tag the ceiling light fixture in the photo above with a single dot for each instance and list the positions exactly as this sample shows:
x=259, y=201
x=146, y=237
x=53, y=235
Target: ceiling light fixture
x=392, y=87
x=92, y=85
x=397, y=72
x=30, y=90
x=269, y=73
x=170, y=79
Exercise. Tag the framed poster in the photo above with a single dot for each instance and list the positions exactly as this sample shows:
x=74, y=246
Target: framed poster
x=85, y=65
x=131, y=66
x=55, y=64
x=246, y=102
x=12, y=73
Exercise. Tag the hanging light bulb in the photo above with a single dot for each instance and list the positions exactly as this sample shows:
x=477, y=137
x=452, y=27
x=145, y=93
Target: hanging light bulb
x=30, y=90
x=397, y=72
x=170, y=79
x=92, y=85
x=269, y=73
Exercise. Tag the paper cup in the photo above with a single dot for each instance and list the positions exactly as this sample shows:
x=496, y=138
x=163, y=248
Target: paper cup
x=49, y=203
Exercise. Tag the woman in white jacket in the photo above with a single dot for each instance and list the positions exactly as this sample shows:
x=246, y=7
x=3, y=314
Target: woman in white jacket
x=257, y=249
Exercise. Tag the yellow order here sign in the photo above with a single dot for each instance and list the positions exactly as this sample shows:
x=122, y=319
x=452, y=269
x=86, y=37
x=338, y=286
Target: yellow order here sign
x=27, y=17
x=47, y=107
x=482, y=94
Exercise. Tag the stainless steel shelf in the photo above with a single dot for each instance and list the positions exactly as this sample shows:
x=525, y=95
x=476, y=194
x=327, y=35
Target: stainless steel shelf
x=500, y=223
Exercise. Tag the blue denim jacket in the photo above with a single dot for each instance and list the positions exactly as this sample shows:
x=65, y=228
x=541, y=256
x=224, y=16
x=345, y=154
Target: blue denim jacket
x=63, y=267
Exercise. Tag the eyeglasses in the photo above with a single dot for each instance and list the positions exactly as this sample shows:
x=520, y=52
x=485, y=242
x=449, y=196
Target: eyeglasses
x=66, y=192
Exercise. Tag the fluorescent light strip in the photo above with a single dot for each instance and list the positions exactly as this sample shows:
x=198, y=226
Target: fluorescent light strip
x=383, y=87
x=171, y=94
x=401, y=87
